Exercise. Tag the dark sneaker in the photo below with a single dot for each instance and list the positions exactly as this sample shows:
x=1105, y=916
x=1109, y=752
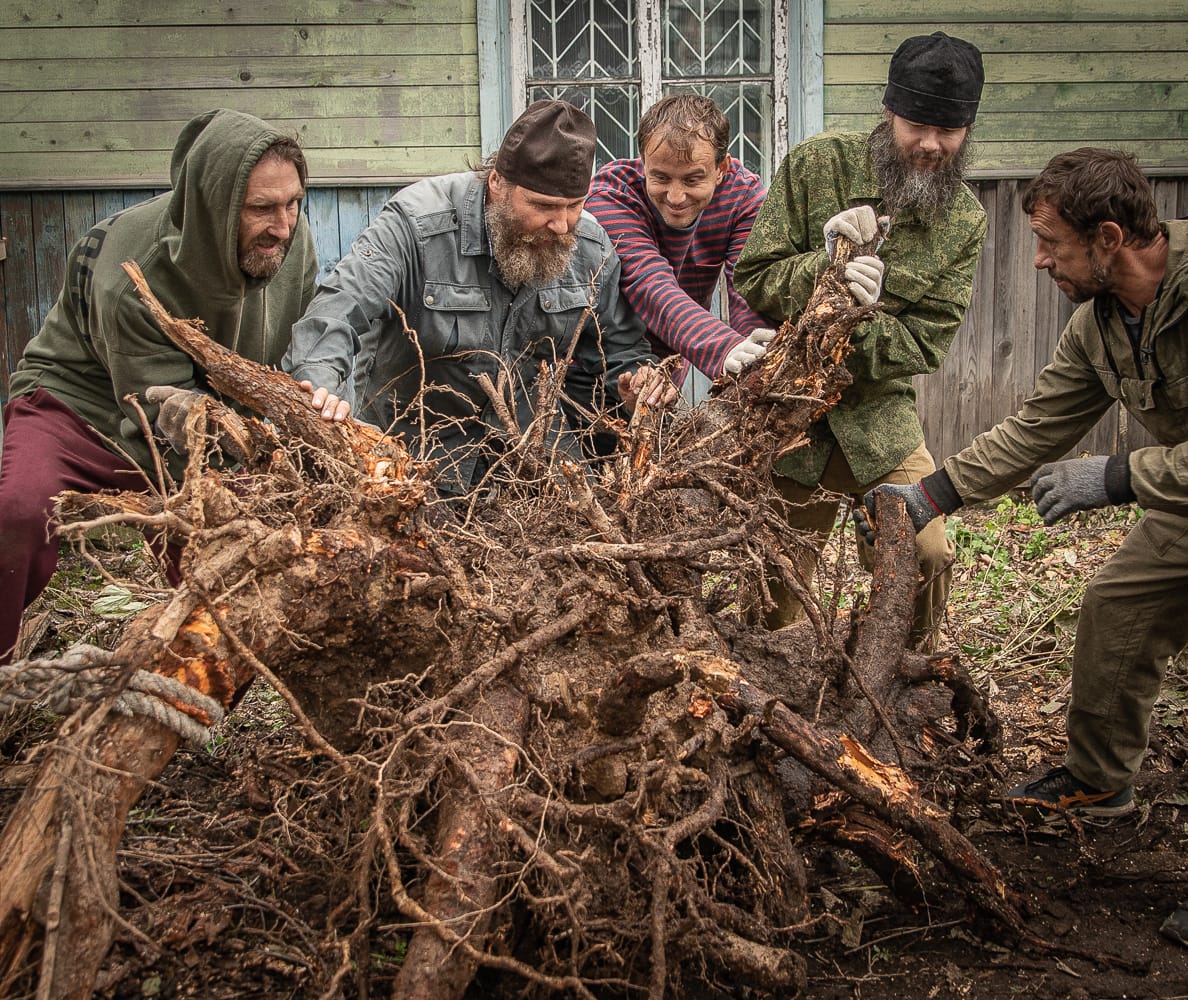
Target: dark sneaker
x=1061, y=791
x=1175, y=927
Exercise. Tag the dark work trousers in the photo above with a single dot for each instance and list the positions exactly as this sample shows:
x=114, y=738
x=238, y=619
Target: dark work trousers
x=48, y=448
x=1134, y=617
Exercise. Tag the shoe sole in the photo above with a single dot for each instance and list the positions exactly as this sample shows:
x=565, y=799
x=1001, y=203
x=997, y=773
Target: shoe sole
x=1046, y=811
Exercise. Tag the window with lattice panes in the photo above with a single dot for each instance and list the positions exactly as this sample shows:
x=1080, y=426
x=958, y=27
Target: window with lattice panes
x=615, y=58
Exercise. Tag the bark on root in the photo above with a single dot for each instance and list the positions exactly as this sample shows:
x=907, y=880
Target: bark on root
x=533, y=693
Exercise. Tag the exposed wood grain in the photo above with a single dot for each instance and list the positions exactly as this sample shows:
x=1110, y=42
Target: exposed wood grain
x=49, y=248
x=126, y=13
x=1068, y=95
x=225, y=71
x=277, y=105
x=1043, y=125
x=393, y=165
x=1014, y=36
x=20, y=282
x=177, y=41
x=1027, y=67
x=939, y=11
x=160, y=136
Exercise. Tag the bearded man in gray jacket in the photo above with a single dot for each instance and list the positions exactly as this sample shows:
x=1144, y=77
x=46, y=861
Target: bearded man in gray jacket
x=495, y=272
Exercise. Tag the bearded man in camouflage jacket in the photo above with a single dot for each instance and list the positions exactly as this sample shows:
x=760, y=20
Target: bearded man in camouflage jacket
x=905, y=179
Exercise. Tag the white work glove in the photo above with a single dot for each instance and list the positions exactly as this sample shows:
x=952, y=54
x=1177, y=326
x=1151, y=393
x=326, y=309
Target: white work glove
x=749, y=351
x=175, y=407
x=859, y=225
x=864, y=276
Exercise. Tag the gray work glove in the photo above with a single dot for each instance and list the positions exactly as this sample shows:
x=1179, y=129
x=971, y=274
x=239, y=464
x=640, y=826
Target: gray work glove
x=864, y=276
x=859, y=225
x=175, y=406
x=931, y=497
x=749, y=351
x=919, y=504
x=1061, y=488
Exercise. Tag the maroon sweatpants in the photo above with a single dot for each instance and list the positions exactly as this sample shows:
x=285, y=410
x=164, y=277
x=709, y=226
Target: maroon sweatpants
x=47, y=449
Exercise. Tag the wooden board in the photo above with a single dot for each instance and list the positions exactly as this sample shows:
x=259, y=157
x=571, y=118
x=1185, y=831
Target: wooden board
x=1067, y=96
x=930, y=12
x=348, y=166
x=1029, y=67
x=152, y=72
x=245, y=41
x=273, y=104
x=318, y=133
x=996, y=38
x=125, y=13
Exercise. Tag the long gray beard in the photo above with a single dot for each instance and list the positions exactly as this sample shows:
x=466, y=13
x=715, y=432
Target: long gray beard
x=905, y=188
x=526, y=262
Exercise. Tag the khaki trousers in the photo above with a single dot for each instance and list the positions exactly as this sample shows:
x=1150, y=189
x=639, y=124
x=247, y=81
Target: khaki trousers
x=815, y=510
x=1133, y=618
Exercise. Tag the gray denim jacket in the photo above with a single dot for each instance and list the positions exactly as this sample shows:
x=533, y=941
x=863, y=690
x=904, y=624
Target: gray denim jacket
x=418, y=310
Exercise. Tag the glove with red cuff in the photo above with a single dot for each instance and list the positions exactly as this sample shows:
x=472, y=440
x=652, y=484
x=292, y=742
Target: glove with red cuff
x=931, y=497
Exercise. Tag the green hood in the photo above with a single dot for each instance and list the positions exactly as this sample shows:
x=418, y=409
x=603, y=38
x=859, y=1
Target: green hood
x=209, y=171
x=99, y=342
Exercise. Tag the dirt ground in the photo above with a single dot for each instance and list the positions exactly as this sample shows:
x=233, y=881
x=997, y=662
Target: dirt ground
x=225, y=867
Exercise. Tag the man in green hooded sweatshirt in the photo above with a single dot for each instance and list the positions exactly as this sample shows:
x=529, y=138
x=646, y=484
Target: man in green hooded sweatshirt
x=227, y=245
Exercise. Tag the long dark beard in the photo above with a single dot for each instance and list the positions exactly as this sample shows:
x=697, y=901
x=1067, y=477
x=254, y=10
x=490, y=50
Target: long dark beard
x=524, y=259
x=903, y=186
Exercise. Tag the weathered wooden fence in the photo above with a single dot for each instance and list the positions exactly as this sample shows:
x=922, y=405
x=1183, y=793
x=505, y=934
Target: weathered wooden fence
x=1007, y=337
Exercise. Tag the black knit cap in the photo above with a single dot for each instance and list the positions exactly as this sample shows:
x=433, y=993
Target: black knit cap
x=935, y=80
x=550, y=150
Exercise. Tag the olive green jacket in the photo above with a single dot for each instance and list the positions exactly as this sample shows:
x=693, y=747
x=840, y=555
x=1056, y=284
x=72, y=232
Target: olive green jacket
x=926, y=290
x=1095, y=365
x=99, y=343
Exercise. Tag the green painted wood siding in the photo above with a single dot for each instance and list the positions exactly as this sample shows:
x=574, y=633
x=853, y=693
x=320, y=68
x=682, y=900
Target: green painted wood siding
x=1059, y=73
x=43, y=226
x=95, y=92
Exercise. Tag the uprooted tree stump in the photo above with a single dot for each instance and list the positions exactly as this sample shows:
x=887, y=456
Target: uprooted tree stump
x=570, y=755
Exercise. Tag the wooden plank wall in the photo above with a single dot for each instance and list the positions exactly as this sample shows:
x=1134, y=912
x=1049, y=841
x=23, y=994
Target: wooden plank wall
x=1059, y=73
x=95, y=92
x=1008, y=334
x=42, y=226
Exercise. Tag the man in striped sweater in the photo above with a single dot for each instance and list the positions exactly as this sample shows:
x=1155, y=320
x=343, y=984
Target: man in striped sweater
x=678, y=215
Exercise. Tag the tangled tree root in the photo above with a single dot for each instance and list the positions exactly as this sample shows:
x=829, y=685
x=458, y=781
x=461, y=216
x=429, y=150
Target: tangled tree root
x=562, y=750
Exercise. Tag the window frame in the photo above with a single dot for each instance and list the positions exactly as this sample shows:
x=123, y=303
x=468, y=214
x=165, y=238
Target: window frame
x=797, y=28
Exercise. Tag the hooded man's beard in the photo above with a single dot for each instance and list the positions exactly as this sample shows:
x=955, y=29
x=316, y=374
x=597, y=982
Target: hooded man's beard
x=523, y=258
x=255, y=264
x=904, y=186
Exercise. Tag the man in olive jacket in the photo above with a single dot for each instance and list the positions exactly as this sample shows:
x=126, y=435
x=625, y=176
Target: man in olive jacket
x=1100, y=240
x=227, y=245
x=908, y=170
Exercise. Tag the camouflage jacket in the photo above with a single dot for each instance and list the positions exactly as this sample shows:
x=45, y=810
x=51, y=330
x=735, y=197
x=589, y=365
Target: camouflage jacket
x=1096, y=365
x=926, y=290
